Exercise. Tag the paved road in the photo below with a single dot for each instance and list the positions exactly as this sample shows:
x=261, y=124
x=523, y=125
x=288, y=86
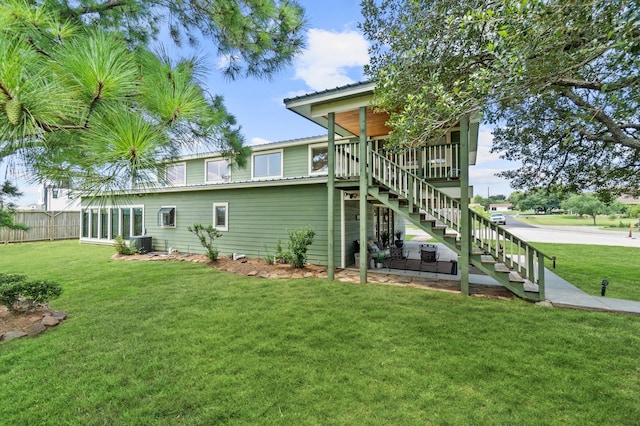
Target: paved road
x=574, y=235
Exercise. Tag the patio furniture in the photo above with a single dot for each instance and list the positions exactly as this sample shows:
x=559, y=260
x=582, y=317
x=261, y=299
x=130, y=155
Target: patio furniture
x=429, y=254
x=396, y=259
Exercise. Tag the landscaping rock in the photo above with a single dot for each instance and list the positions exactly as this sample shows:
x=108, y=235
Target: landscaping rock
x=50, y=321
x=36, y=328
x=10, y=335
x=14, y=325
x=61, y=315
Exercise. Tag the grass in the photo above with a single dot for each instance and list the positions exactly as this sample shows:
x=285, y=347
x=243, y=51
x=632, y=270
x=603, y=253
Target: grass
x=563, y=220
x=585, y=266
x=157, y=343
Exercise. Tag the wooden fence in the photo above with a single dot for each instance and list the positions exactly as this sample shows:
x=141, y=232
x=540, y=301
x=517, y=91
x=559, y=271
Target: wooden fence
x=62, y=225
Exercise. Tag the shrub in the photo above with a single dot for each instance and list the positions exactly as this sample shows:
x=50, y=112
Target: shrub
x=299, y=240
x=16, y=292
x=11, y=278
x=122, y=248
x=207, y=235
x=280, y=256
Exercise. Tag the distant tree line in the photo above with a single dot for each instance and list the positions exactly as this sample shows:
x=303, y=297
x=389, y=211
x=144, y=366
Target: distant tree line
x=544, y=202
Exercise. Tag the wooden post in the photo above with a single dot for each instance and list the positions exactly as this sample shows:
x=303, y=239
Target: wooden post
x=364, y=257
x=465, y=231
x=331, y=190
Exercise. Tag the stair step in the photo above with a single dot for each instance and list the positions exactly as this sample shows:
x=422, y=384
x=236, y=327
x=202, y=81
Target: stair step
x=531, y=287
x=487, y=258
x=451, y=236
x=501, y=267
x=477, y=251
x=515, y=277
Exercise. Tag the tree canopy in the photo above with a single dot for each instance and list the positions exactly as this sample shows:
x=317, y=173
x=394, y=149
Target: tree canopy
x=83, y=99
x=559, y=78
x=256, y=37
x=9, y=191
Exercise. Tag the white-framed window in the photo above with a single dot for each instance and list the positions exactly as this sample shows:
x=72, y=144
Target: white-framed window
x=267, y=165
x=108, y=222
x=318, y=159
x=167, y=217
x=217, y=171
x=221, y=216
x=176, y=174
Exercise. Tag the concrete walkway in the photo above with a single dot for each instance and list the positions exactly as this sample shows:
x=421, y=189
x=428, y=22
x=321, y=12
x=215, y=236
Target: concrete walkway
x=561, y=293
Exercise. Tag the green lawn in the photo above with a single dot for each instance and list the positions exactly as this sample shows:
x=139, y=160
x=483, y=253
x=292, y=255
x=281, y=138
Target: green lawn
x=180, y=343
x=561, y=220
x=585, y=266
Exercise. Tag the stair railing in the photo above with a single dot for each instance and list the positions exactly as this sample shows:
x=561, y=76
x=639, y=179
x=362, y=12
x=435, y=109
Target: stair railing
x=493, y=239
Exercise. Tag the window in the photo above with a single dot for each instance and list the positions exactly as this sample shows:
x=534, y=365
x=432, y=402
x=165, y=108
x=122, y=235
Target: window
x=268, y=165
x=318, y=160
x=54, y=193
x=85, y=224
x=138, y=222
x=176, y=174
x=115, y=223
x=167, y=216
x=126, y=223
x=104, y=224
x=221, y=216
x=94, y=224
x=218, y=171
x=107, y=223
x=455, y=136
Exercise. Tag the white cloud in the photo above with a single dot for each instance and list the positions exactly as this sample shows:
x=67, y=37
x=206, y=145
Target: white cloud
x=326, y=62
x=259, y=141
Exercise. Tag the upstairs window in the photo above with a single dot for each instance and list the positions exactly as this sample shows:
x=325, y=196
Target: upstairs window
x=167, y=217
x=176, y=174
x=318, y=160
x=218, y=171
x=267, y=165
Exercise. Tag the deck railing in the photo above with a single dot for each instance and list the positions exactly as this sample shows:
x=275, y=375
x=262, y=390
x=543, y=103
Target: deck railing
x=428, y=162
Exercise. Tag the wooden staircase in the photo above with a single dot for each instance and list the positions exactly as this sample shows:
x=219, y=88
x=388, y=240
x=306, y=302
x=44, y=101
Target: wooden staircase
x=512, y=262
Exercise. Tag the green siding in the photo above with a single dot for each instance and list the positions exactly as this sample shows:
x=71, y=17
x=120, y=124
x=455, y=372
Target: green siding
x=296, y=161
x=295, y=164
x=241, y=174
x=258, y=217
x=195, y=172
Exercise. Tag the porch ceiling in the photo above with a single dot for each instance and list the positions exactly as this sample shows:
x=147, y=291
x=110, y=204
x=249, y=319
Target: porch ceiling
x=376, y=122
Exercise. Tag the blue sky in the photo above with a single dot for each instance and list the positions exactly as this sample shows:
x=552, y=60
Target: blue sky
x=334, y=56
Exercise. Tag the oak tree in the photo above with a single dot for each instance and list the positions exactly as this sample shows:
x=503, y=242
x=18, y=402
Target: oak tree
x=559, y=80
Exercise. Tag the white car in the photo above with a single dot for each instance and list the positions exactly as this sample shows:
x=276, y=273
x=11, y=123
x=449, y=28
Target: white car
x=498, y=218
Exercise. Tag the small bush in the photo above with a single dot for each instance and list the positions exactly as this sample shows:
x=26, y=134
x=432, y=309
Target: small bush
x=299, y=241
x=16, y=292
x=280, y=256
x=11, y=278
x=207, y=235
x=122, y=248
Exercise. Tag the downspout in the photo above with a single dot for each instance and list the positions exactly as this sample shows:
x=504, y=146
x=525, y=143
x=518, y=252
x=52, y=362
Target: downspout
x=331, y=189
x=364, y=256
x=465, y=236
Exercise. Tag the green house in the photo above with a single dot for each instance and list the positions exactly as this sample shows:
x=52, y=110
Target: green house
x=345, y=185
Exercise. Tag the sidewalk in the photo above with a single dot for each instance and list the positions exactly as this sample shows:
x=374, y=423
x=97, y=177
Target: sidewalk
x=561, y=293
